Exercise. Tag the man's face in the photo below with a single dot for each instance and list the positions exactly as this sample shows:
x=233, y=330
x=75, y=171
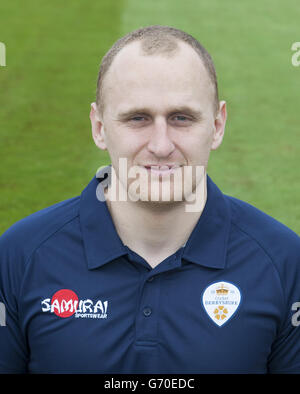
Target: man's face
x=159, y=111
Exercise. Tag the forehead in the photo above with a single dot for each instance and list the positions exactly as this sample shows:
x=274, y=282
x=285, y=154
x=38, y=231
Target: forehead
x=157, y=80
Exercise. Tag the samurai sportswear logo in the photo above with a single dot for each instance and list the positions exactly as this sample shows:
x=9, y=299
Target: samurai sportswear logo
x=65, y=303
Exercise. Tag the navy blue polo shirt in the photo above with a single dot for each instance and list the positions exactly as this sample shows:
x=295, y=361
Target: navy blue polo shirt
x=77, y=300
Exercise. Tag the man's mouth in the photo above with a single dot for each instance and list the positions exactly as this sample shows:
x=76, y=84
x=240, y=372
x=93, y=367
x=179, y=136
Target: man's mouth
x=161, y=169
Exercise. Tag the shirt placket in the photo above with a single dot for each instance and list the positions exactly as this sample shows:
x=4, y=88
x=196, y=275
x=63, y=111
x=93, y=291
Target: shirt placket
x=148, y=311
x=149, y=298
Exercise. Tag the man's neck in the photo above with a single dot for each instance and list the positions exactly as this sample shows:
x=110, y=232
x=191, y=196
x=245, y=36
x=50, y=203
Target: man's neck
x=154, y=230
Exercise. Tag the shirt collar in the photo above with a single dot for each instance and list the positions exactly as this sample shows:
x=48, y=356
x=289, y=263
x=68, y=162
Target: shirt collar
x=206, y=246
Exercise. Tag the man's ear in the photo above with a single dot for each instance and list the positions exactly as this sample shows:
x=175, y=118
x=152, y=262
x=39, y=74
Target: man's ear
x=97, y=128
x=219, y=128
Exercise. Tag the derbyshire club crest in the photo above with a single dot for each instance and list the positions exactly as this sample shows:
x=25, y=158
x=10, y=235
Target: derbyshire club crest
x=221, y=300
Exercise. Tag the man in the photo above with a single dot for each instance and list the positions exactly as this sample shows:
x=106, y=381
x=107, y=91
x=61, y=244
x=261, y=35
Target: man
x=106, y=284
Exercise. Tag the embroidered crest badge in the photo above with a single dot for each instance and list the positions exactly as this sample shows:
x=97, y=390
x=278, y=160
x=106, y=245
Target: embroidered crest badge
x=221, y=301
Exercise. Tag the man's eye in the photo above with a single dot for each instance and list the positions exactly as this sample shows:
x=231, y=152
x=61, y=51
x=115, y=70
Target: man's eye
x=137, y=118
x=181, y=118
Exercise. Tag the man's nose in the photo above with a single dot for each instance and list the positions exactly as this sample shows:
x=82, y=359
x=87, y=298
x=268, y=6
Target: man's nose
x=160, y=143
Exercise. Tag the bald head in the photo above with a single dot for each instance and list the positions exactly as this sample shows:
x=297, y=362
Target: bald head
x=153, y=41
x=174, y=76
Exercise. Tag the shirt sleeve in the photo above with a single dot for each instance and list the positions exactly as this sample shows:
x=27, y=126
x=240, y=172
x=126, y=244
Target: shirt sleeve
x=285, y=353
x=13, y=350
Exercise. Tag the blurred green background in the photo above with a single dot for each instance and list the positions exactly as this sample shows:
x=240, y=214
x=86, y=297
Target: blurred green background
x=53, y=53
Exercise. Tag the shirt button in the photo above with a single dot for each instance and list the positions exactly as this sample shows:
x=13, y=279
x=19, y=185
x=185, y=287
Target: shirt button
x=147, y=311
